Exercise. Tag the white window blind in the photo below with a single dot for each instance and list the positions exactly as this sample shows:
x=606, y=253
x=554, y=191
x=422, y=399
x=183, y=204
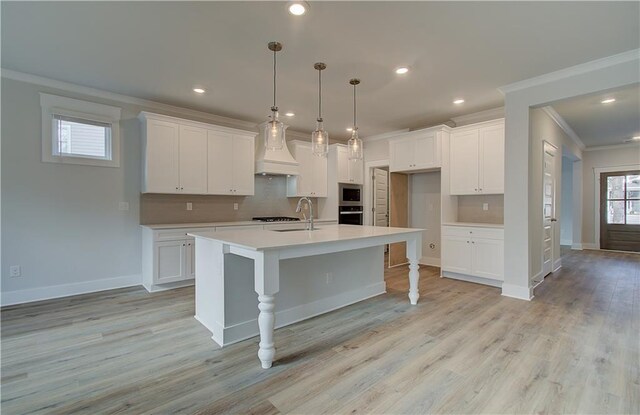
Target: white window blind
x=76, y=137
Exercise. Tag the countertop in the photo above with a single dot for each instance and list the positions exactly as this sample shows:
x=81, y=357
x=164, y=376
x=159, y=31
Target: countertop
x=475, y=225
x=261, y=239
x=222, y=224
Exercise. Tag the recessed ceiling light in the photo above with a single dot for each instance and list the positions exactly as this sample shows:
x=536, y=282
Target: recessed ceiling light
x=199, y=90
x=349, y=129
x=459, y=101
x=289, y=114
x=608, y=101
x=298, y=8
x=402, y=70
x=636, y=138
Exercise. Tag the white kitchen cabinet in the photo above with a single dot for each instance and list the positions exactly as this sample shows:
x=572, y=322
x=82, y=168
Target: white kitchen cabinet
x=231, y=164
x=477, y=159
x=172, y=262
x=188, y=157
x=473, y=251
x=349, y=171
x=415, y=151
x=312, y=178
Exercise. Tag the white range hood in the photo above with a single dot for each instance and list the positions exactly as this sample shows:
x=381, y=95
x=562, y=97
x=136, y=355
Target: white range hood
x=274, y=162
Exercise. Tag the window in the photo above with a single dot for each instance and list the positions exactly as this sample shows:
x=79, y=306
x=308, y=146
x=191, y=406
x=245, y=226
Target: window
x=623, y=198
x=79, y=132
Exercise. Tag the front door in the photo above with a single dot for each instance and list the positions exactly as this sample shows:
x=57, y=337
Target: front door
x=548, y=208
x=620, y=211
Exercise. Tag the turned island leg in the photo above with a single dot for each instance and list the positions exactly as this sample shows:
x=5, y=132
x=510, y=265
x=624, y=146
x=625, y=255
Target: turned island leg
x=267, y=283
x=414, y=251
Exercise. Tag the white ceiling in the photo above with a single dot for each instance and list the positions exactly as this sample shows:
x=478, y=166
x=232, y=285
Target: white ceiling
x=160, y=50
x=600, y=124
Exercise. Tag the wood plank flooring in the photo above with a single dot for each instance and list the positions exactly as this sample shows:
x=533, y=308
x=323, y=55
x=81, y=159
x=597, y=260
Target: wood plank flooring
x=464, y=349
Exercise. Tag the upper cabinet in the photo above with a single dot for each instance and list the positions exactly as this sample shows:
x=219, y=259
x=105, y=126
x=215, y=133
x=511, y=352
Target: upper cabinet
x=348, y=171
x=312, y=178
x=477, y=159
x=415, y=151
x=186, y=157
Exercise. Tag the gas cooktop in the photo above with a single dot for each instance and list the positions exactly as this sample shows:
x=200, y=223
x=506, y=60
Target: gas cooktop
x=276, y=219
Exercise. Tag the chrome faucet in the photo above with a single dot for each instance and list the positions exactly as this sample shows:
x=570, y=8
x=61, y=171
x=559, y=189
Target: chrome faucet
x=310, y=226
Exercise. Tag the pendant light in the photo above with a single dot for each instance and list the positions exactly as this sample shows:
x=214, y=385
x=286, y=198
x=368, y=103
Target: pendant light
x=320, y=138
x=274, y=133
x=354, y=144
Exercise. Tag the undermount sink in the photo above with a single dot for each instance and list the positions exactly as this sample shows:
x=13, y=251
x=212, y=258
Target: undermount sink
x=292, y=230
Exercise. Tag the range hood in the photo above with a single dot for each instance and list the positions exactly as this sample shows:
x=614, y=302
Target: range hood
x=274, y=162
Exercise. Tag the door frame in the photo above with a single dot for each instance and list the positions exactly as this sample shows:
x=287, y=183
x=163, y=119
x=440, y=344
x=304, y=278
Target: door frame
x=556, y=263
x=368, y=184
x=596, y=193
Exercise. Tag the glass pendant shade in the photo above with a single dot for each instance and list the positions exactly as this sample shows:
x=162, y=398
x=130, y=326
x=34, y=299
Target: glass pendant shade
x=274, y=133
x=354, y=145
x=320, y=141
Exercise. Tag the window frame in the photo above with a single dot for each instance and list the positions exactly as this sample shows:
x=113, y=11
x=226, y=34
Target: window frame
x=53, y=105
x=625, y=199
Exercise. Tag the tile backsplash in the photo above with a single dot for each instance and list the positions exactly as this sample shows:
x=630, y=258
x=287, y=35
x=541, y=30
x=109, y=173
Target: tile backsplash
x=470, y=209
x=270, y=199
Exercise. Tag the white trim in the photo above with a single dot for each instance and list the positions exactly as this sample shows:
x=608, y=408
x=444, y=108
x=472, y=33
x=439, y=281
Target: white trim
x=577, y=247
x=596, y=198
x=551, y=112
x=480, y=116
x=590, y=246
x=429, y=261
x=225, y=336
x=146, y=115
x=383, y=136
x=613, y=146
x=471, y=278
x=517, y=291
x=65, y=290
x=99, y=93
x=582, y=68
x=366, y=218
x=566, y=242
x=557, y=265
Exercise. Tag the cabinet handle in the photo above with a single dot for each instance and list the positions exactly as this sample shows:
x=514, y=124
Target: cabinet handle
x=183, y=245
x=472, y=242
x=467, y=241
x=176, y=188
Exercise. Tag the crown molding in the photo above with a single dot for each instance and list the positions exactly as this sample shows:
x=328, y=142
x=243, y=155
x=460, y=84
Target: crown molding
x=126, y=99
x=628, y=56
x=614, y=146
x=487, y=115
x=551, y=112
x=384, y=136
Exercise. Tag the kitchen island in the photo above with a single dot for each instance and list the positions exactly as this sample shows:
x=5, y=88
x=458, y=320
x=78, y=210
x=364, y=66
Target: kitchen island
x=296, y=263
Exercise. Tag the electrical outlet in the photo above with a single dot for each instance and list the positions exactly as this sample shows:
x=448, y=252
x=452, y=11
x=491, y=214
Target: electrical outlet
x=235, y=206
x=485, y=206
x=123, y=206
x=15, y=271
x=189, y=206
x=329, y=277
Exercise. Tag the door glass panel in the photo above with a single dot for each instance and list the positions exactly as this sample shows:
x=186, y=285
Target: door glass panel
x=615, y=187
x=633, y=212
x=633, y=186
x=615, y=212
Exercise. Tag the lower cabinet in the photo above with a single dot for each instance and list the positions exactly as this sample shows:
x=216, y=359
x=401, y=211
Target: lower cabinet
x=174, y=261
x=476, y=252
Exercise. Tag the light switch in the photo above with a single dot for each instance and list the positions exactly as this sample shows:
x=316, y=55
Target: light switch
x=189, y=206
x=485, y=206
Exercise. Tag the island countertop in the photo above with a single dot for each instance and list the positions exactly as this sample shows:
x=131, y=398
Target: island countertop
x=264, y=239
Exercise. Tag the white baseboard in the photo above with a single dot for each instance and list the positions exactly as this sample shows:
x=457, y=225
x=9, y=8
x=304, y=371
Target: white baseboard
x=225, y=336
x=471, y=278
x=66, y=290
x=577, y=246
x=170, y=286
x=517, y=291
x=430, y=261
x=590, y=246
x=557, y=264
x=566, y=242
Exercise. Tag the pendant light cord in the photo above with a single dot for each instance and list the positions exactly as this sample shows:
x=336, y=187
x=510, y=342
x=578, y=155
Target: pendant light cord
x=355, y=125
x=274, y=82
x=319, y=95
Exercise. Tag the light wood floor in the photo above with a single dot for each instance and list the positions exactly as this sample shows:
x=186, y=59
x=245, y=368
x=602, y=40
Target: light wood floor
x=464, y=349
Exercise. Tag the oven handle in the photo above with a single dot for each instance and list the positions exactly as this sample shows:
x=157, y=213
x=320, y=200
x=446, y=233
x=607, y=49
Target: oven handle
x=351, y=213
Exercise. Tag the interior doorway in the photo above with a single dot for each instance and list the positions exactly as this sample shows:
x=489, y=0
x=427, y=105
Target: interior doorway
x=380, y=195
x=567, y=208
x=548, y=207
x=620, y=211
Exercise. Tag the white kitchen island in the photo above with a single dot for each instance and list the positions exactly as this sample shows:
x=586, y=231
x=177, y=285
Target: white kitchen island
x=301, y=265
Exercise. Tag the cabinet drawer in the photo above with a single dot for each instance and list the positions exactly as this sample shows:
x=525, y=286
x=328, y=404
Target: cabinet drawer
x=174, y=234
x=468, y=231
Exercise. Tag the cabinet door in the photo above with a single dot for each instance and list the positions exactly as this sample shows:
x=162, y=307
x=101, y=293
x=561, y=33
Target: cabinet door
x=492, y=160
x=464, y=163
x=427, y=152
x=193, y=160
x=170, y=261
x=401, y=154
x=487, y=258
x=342, y=160
x=219, y=163
x=319, y=176
x=456, y=254
x=161, y=157
x=190, y=259
x=356, y=171
x=243, y=165
x=304, y=180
